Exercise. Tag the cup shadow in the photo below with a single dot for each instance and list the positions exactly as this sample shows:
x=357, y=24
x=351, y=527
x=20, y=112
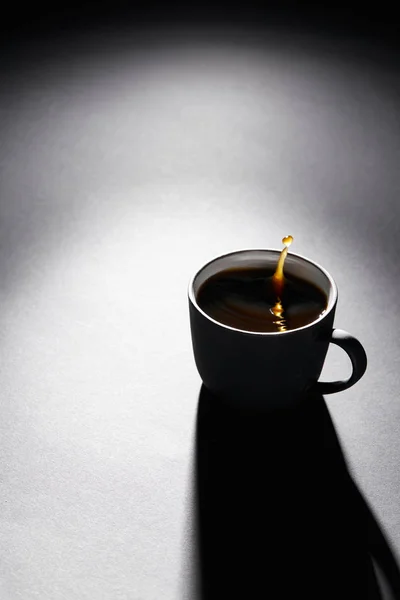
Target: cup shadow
x=279, y=515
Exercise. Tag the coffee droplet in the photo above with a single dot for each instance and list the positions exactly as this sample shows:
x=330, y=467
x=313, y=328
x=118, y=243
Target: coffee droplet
x=278, y=278
x=287, y=240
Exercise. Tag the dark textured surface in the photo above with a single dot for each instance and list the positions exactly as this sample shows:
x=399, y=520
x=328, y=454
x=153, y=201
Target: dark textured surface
x=129, y=157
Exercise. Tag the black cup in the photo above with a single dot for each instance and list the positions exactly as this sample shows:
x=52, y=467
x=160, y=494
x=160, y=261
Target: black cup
x=263, y=369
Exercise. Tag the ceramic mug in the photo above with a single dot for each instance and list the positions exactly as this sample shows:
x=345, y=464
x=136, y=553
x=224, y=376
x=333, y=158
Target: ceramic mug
x=263, y=369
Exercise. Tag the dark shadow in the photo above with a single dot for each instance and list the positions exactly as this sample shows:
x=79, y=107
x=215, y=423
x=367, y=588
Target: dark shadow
x=279, y=515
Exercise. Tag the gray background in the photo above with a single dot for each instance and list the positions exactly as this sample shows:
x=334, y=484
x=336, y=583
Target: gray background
x=128, y=159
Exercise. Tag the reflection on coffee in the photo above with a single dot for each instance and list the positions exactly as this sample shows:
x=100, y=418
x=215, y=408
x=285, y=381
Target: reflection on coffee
x=245, y=298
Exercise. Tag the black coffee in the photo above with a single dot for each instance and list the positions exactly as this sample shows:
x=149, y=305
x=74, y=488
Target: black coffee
x=245, y=298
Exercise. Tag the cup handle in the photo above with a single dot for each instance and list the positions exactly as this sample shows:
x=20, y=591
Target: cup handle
x=358, y=360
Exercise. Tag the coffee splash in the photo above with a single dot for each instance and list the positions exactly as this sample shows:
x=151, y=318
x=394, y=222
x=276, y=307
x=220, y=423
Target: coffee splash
x=244, y=298
x=278, y=282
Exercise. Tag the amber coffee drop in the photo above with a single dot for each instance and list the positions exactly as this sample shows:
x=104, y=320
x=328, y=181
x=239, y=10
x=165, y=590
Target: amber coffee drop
x=278, y=282
x=278, y=278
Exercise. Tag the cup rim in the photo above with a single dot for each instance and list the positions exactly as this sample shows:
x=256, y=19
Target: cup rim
x=332, y=282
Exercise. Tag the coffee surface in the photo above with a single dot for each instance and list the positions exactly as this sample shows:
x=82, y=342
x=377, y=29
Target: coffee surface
x=245, y=298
